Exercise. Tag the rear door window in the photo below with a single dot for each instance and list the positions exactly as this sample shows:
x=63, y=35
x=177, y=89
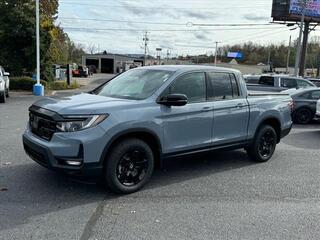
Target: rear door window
x=235, y=87
x=289, y=83
x=222, y=86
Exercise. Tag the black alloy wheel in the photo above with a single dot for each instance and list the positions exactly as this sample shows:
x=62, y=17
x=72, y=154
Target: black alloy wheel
x=267, y=144
x=132, y=167
x=264, y=144
x=128, y=166
x=303, y=116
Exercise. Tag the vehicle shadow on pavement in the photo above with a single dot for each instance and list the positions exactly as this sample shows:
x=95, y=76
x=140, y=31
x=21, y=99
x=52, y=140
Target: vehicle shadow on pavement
x=34, y=190
x=298, y=139
x=191, y=167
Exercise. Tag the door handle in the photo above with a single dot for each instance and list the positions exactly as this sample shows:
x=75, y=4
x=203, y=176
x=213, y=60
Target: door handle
x=239, y=105
x=206, y=109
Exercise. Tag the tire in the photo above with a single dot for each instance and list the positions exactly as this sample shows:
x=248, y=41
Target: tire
x=129, y=166
x=264, y=144
x=7, y=93
x=3, y=97
x=303, y=116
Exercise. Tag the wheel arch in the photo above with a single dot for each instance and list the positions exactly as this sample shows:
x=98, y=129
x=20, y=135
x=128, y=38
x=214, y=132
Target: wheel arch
x=143, y=134
x=273, y=122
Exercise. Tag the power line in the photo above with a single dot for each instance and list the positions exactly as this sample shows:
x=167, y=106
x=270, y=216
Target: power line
x=155, y=7
x=162, y=30
x=188, y=24
x=123, y=21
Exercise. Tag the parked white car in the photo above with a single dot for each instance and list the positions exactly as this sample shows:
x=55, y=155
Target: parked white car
x=4, y=85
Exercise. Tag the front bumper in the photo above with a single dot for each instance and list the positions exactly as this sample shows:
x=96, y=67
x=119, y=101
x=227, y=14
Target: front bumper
x=43, y=155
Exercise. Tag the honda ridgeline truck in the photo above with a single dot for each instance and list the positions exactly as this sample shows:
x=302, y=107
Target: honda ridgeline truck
x=126, y=127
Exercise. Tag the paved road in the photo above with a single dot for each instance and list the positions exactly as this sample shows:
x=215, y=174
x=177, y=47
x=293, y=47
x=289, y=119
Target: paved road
x=215, y=196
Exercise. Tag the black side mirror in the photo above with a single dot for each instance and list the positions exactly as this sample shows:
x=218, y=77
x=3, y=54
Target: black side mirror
x=174, y=100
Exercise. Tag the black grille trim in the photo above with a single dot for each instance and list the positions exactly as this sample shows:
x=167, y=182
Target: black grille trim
x=43, y=122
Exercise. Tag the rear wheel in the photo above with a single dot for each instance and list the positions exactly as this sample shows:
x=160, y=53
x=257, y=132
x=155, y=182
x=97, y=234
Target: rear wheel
x=129, y=166
x=264, y=144
x=303, y=116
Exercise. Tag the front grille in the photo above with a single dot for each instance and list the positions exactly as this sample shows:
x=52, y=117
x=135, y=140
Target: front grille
x=35, y=155
x=44, y=127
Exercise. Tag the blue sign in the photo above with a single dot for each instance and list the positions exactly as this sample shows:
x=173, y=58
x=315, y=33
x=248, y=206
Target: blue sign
x=235, y=55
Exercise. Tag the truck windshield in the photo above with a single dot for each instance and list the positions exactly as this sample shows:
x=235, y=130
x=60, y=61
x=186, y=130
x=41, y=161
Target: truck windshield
x=135, y=84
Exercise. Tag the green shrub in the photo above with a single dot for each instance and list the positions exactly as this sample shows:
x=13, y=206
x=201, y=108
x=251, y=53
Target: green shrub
x=62, y=85
x=24, y=83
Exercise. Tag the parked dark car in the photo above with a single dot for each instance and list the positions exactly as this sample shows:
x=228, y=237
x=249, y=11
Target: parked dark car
x=81, y=71
x=305, y=104
x=92, y=69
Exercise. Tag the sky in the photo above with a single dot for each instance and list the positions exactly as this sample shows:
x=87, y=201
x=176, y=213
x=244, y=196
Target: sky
x=173, y=25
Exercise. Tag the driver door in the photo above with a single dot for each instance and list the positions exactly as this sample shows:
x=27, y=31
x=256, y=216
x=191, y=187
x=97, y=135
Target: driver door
x=188, y=127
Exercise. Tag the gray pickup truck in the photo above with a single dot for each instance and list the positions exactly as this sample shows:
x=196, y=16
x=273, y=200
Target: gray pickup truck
x=126, y=127
x=276, y=83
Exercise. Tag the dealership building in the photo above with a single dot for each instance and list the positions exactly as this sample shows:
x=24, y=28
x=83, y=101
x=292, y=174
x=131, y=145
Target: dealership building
x=112, y=63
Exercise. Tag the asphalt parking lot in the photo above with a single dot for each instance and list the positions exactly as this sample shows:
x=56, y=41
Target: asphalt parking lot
x=214, y=196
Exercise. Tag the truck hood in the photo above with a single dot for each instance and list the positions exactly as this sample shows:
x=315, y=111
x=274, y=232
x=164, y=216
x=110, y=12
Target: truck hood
x=83, y=104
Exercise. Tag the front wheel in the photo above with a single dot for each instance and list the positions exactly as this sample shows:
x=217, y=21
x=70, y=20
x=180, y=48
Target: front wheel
x=264, y=144
x=129, y=166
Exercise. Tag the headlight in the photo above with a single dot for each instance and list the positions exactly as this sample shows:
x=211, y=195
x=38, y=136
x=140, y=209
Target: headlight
x=78, y=123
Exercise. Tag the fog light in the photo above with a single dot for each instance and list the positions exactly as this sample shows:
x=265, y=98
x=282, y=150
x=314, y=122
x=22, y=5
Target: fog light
x=73, y=163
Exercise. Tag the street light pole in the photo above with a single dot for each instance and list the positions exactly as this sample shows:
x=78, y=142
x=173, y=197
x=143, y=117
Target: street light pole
x=298, y=54
x=215, y=57
x=38, y=89
x=145, y=39
x=288, y=56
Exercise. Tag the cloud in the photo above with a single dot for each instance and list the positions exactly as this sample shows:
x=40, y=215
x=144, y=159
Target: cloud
x=255, y=17
x=202, y=36
x=199, y=15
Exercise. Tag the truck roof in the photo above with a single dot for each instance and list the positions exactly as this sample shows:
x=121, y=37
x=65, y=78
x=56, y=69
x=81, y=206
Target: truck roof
x=185, y=68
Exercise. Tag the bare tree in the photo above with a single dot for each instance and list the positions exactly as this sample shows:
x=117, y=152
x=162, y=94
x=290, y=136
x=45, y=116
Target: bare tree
x=92, y=49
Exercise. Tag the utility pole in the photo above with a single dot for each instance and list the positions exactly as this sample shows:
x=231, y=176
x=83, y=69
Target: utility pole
x=303, y=4
x=288, y=57
x=146, y=40
x=216, y=52
x=38, y=89
x=304, y=49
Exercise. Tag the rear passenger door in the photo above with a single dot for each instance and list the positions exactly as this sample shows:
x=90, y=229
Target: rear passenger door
x=230, y=110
